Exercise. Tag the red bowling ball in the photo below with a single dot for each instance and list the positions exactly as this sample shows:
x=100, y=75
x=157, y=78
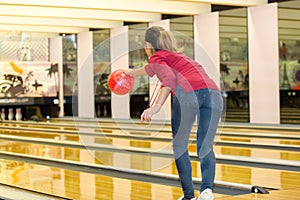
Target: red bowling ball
x=119, y=82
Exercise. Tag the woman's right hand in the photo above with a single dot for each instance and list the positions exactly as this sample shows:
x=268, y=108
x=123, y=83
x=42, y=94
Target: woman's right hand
x=148, y=113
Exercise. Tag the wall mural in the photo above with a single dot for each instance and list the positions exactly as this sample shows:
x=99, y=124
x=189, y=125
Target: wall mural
x=289, y=75
x=234, y=64
x=289, y=65
x=234, y=76
x=101, y=73
x=28, y=79
x=70, y=65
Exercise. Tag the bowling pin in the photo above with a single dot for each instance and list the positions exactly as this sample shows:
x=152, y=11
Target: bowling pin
x=104, y=111
x=10, y=114
x=18, y=114
x=3, y=114
x=98, y=111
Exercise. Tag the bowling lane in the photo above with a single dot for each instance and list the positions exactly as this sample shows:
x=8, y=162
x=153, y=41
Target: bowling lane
x=222, y=125
x=80, y=185
x=228, y=173
x=148, y=129
x=282, y=131
x=148, y=141
x=232, y=129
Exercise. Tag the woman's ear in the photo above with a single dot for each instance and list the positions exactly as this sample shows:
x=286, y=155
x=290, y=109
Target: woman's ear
x=148, y=45
x=149, y=49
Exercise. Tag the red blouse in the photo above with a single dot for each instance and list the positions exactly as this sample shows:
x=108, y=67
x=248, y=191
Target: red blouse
x=174, y=69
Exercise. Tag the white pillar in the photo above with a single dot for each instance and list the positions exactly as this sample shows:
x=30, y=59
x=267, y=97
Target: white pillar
x=165, y=112
x=263, y=64
x=56, y=56
x=119, y=60
x=85, y=80
x=207, y=45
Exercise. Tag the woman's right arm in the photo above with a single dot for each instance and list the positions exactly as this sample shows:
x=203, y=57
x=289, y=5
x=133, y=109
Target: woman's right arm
x=137, y=72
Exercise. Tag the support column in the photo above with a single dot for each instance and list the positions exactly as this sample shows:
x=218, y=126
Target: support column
x=207, y=44
x=119, y=60
x=56, y=56
x=165, y=112
x=263, y=64
x=85, y=80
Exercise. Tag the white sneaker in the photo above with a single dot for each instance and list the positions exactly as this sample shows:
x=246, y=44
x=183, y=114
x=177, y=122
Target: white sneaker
x=182, y=198
x=206, y=195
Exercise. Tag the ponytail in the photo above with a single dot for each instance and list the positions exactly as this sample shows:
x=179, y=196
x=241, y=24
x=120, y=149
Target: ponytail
x=167, y=41
x=160, y=39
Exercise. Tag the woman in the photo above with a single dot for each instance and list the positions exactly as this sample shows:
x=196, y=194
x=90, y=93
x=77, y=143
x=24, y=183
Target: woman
x=194, y=95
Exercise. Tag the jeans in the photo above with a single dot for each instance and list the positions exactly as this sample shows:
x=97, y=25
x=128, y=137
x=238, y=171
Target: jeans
x=206, y=105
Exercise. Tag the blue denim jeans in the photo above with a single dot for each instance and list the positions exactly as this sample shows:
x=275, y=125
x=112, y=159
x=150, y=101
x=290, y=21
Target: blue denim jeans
x=206, y=105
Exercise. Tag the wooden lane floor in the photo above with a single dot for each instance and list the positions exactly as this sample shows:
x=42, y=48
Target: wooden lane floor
x=233, y=151
x=288, y=139
x=49, y=180
x=147, y=141
x=78, y=185
x=260, y=132
x=74, y=123
x=149, y=146
x=277, y=179
x=167, y=123
x=237, y=168
x=81, y=186
x=265, y=135
x=221, y=149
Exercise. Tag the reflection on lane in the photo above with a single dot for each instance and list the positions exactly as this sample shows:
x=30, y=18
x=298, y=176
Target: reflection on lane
x=143, y=141
x=238, y=174
x=79, y=185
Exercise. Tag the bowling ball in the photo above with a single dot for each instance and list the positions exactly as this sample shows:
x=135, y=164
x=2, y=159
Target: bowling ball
x=119, y=82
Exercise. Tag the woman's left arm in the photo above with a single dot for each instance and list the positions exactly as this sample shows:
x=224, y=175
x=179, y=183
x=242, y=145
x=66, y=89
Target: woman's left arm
x=162, y=97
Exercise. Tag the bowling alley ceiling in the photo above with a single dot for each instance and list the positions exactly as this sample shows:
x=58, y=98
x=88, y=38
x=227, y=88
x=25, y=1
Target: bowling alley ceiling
x=73, y=16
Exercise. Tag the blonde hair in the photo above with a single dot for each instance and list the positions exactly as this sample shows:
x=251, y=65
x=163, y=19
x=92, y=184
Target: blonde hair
x=159, y=38
x=167, y=41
